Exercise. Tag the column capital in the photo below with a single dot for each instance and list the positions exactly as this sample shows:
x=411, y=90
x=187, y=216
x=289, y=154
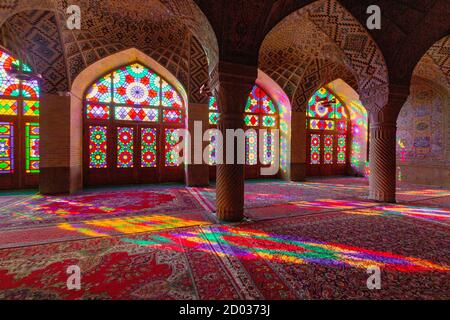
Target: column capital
x=231, y=84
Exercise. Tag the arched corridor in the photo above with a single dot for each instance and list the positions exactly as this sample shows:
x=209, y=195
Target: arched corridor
x=192, y=156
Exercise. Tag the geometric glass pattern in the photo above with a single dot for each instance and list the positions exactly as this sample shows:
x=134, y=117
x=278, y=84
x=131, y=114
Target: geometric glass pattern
x=97, y=111
x=100, y=91
x=213, y=118
x=327, y=114
x=328, y=149
x=148, y=147
x=269, y=121
x=32, y=147
x=125, y=145
x=97, y=147
x=172, y=138
x=136, y=85
x=213, y=104
x=6, y=147
x=170, y=97
x=172, y=116
x=269, y=148
x=130, y=97
x=341, y=148
x=136, y=114
x=8, y=107
x=30, y=108
x=212, y=147
x=251, y=120
x=19, y=99
x=315, y=149
x=251, y=148
x=321, y=124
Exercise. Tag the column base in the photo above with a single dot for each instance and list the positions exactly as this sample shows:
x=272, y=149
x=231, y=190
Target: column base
x=230, y=215
x=382, y=197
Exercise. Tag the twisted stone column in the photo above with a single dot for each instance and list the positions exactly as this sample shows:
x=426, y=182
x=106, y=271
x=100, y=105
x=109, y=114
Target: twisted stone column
x=232, y=85
x=383, y=112
x=382, y=178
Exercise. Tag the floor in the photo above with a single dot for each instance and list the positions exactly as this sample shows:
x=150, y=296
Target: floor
x=312, y=240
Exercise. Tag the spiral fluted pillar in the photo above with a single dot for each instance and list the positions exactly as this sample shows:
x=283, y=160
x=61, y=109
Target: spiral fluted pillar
x=383, y=133
x=231, y=86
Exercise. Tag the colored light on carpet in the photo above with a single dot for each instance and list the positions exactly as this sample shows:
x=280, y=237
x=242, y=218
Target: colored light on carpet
x=255, y=244
x=331, y=204
x=426, y=192
x=434, y=214
x=136, y=224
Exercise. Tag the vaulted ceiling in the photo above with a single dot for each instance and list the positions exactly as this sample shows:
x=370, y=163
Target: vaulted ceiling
x=299, y=43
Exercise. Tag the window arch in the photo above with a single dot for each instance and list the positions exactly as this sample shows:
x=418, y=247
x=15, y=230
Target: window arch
x=131, y=119
x=19, y=124
x=327, y=129
x=260, y=113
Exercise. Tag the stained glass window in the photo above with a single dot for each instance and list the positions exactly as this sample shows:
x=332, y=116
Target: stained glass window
x=170, y=97
x=136, y=114
x=315, y=149
x=32, y=147
x=172, y=116
x=328, y=149
x=327, y=119
x=251, y=148
x=30, y=108
x=8, y=107
x=134, y=93
x=97, y=111
x=19, y=99
x=148, y=147
x=136, y=85
x=100, y=91
x=269, y=148
x=97, y=147
x=212, y=149
x=125, y=146
x=342, y=149
x=260, y=112
x=171, y=140
x=6, y=147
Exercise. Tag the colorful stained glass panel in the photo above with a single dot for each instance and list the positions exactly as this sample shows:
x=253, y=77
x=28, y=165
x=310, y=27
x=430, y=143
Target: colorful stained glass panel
x=213, y=118
x=136, y=114
x=30, y=108
x=148, y=147
x=136, y=85
x=170, y=97
x=172, y=138
x=6, y=147
x=98, y=147
x=315, y=149
x=341, y=149
x=269, y=121
x=328, y=149
x=32, y=147
x=316, y=124
x=251, y=120
x=30, y=89
x=100, y=91
x=97, y=111
x=268, y=148
x=8, y=107
x=172, y=116
x=251, y=148
x=213, y=104
x=125, y=147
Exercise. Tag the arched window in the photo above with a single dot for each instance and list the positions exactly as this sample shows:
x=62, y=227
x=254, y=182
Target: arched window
x=19, y=124
x=260, y=113
x=131, y=117
x=327, y=127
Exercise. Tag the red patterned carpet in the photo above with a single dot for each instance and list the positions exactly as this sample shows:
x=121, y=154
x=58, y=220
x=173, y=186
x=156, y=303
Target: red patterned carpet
x=312, y=248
